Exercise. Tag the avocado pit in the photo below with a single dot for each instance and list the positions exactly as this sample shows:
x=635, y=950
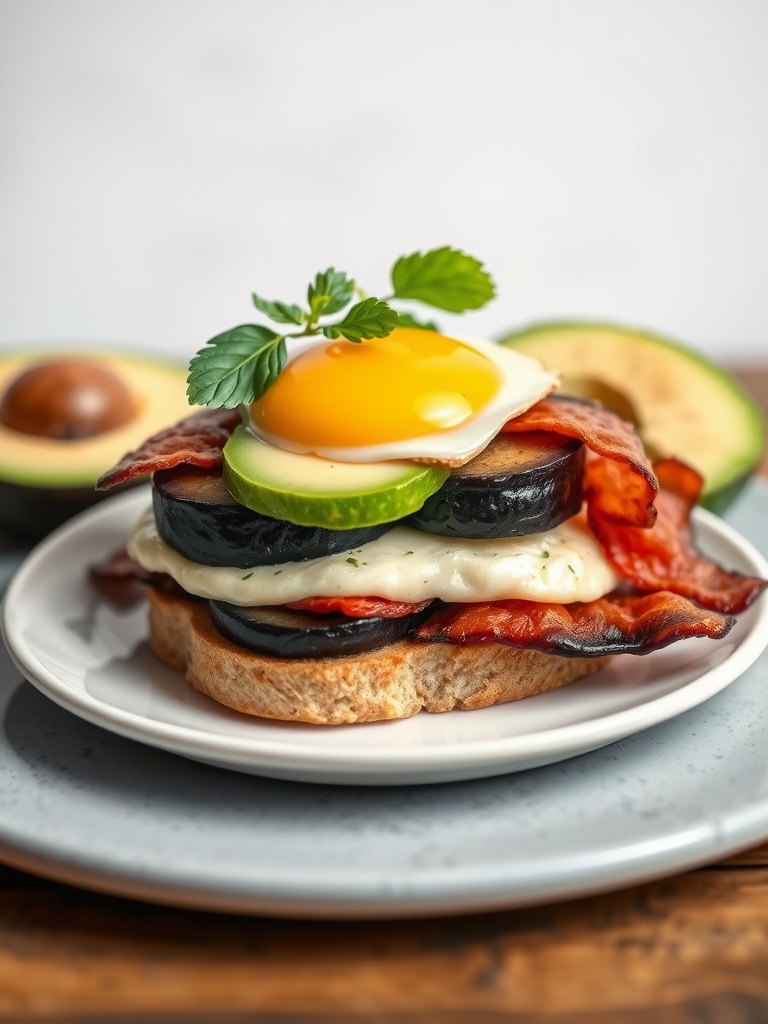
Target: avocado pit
x=66, y=400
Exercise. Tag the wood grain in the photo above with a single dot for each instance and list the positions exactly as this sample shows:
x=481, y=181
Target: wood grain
x=686, y=950
x=676, y=942
x=756, y=858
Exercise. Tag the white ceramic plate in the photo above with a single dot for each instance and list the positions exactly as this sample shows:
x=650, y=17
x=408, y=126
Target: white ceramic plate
x=83, y=805
x=93, y=660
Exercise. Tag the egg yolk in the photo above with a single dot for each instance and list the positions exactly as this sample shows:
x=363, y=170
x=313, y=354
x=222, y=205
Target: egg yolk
x=406, y=385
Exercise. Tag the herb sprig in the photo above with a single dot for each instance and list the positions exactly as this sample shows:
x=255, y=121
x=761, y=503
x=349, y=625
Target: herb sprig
x=237, y=366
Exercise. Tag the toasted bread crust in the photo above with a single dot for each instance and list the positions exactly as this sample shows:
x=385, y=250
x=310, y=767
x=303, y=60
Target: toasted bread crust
x=394, y=682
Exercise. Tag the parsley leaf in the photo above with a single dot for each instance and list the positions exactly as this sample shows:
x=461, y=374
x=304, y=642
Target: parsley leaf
x=370, y=318
x=280, y=312
x=235, y=367
x=330, y=292
x=406, y=320
x=446, y=278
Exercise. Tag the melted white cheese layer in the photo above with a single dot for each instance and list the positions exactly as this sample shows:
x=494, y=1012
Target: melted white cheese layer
x=562, y=565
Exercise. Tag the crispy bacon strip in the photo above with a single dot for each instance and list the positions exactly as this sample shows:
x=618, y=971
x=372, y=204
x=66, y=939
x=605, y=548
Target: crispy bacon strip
x=620, y=484
x=665, y=557
x=197, y=440
x=622, y=503
x=617, y=624
x=358, y=607
x=123, y=582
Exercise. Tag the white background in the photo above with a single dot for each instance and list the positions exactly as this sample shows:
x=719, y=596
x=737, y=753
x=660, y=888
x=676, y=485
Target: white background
x=161, y=159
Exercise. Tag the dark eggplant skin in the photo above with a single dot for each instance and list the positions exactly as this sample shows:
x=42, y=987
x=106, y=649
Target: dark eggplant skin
x=200, y=519
x=285, y=633
x=520, y=484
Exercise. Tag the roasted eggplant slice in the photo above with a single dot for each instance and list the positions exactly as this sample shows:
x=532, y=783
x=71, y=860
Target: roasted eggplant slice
x=199, y=518
x=520, y=484
x=290, y=634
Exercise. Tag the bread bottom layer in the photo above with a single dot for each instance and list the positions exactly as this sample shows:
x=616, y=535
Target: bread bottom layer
x=394, y=682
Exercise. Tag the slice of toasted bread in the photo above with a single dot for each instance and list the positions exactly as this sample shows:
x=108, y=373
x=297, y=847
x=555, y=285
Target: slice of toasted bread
x=394, y=682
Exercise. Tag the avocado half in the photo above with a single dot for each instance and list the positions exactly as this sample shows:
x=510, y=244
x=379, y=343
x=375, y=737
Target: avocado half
x=44, y=481
x=682, y=403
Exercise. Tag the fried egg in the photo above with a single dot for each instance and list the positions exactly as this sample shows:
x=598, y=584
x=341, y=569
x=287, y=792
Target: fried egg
x=413, y=395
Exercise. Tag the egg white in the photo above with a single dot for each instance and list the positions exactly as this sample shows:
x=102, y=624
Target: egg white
x=524, y=382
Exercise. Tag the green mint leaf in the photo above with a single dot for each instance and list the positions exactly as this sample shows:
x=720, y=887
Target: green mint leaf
x=330, y=292
x=280, y=312
x=235, y=367
x=370, y=318
x=268, y=366
x=406, y=320
x=445, y=278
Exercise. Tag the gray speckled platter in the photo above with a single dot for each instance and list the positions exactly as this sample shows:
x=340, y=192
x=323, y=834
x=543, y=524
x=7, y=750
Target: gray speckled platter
x=85, y=806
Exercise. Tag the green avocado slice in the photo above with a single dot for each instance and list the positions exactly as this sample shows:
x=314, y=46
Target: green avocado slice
x=311, y=491
x=682, y=403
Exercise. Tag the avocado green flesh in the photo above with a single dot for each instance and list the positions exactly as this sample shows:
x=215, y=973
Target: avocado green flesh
x=311, y=491
x=159, y=390
x=682, y=403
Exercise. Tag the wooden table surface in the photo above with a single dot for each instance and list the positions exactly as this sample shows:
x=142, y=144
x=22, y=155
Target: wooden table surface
x=693, y=948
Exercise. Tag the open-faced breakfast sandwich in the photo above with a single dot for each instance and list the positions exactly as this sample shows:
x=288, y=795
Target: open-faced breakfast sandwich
x=370, y=518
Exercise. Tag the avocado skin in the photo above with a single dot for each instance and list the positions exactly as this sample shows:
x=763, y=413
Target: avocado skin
x=720, y=500
x=29, y=513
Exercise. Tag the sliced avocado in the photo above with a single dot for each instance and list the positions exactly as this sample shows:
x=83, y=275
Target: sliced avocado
x=44, y=480
x=311, y=491
x=682, y=403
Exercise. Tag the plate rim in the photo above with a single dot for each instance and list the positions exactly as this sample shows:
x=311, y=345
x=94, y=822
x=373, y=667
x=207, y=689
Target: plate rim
x=480, y=753
x=442, y=895
x=474, y=889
